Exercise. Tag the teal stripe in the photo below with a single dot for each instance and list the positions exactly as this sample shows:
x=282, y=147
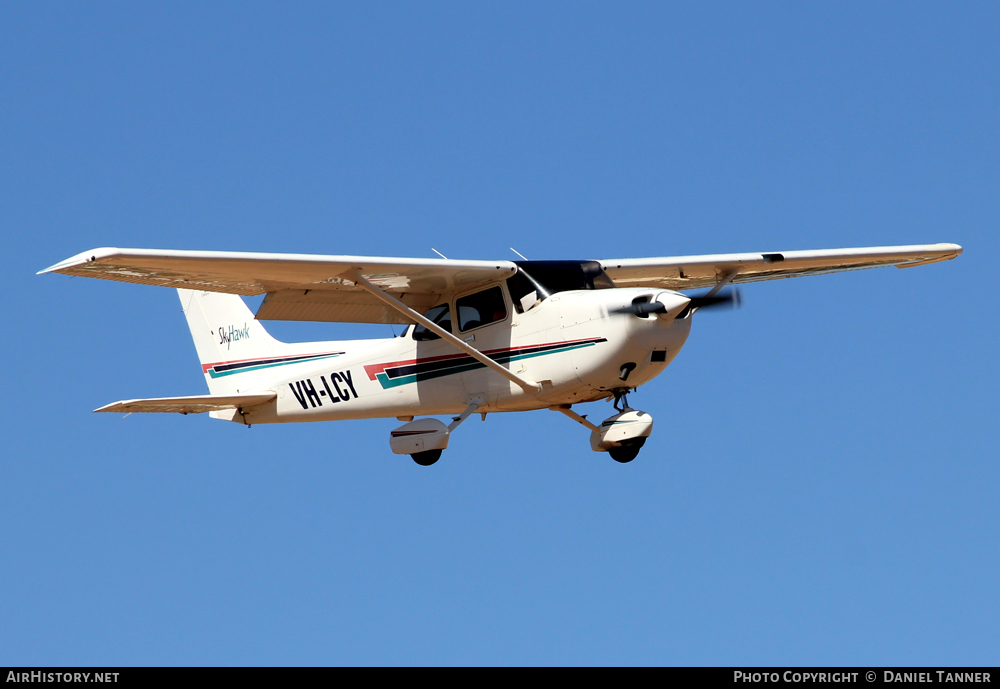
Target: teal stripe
x=395, y=382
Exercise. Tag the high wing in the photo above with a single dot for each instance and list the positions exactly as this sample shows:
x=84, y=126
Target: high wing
x=690, y=272
x=322, y=288
x=298, y=286
x=196, y=404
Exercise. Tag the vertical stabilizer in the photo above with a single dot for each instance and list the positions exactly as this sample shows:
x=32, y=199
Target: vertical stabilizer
x=228, y=339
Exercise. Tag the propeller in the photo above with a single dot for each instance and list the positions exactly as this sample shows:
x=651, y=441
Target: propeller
x=731, y=298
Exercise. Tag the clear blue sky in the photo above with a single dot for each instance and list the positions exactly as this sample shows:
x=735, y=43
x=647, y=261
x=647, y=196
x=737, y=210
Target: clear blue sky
x=821, y=485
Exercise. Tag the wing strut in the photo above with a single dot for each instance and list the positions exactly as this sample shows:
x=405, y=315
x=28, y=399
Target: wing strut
x=529, y=386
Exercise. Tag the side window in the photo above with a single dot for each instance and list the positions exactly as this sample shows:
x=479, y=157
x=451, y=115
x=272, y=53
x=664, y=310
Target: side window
x=439, y=315
x=481, y=308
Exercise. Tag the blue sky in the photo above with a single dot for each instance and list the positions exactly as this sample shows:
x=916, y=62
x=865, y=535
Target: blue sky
x=821, y=484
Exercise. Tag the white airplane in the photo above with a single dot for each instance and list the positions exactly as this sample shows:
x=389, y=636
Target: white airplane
x=483, y=336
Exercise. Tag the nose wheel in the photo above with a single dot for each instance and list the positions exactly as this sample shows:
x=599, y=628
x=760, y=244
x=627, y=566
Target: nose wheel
x=621, y=435
x=627, y=451
x=425, y=459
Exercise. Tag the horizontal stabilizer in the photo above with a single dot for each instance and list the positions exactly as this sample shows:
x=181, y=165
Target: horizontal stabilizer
x=196, y=404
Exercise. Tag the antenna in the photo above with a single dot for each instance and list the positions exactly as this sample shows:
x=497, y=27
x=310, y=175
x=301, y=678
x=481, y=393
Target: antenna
x=439, y=253
x=518, y=253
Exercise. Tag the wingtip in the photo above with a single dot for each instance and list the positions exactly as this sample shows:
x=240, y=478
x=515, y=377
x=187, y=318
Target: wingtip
x=113, y=406
x=79, y=259
x=51, y=269
x=953, y=250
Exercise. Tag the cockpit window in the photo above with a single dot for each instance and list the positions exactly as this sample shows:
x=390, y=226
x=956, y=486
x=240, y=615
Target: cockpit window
x=439, y=315
x=481, y=308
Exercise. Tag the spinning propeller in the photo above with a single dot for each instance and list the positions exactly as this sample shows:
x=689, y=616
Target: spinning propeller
x=731, y=298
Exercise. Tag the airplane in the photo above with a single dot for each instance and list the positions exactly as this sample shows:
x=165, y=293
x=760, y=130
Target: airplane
x=482, y=336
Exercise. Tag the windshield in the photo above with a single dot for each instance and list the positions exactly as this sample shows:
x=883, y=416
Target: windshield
x=550, y=277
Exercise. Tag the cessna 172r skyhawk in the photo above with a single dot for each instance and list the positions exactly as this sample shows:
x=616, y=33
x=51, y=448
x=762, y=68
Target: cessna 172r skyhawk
x=483, y=336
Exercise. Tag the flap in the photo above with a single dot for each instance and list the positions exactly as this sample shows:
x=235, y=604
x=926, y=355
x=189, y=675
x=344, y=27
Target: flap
x=338, y=306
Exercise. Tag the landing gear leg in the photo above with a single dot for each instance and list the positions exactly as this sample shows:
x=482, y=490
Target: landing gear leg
x=473, y=406
x=582, y=420
x=621, y=397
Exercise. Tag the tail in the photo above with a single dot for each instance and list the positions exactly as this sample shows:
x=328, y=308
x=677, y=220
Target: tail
x=228, y=340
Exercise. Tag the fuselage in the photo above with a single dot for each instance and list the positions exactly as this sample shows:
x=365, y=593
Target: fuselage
x=573, y=343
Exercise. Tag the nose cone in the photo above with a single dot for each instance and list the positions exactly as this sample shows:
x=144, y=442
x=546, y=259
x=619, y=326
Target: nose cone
x=673, y=304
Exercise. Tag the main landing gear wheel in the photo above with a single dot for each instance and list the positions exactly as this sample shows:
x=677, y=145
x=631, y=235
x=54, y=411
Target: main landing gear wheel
x=425, y=459
x=628, y=451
